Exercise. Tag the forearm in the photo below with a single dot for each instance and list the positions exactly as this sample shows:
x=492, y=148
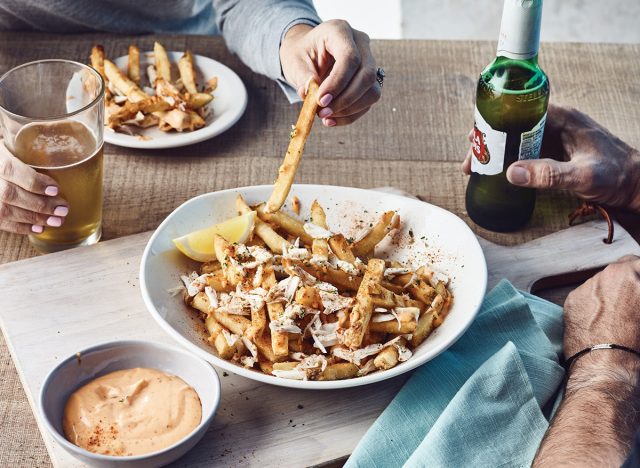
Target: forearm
x=253, y=29
x=599, y=415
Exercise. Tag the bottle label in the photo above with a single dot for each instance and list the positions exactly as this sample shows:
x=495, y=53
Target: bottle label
x=531, y=141
x=488, y=148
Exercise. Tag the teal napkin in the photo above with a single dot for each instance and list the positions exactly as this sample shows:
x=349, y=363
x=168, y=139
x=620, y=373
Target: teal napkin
x=483, y=402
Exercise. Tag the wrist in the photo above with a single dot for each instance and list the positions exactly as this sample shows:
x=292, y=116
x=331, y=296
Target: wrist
x=294, y=33
x=603, y=369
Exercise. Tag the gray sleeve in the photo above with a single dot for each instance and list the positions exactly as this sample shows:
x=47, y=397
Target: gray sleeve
x=253, y=29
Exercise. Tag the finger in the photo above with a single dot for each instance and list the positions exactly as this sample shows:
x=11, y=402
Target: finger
x=368, y=99
x=17, y=172
x=547, y=174
x=470, y=136
x=331, y=122
x=19, y=228
x=11, y=194
x=20, y=215
x=347, y=61
x=466, y=164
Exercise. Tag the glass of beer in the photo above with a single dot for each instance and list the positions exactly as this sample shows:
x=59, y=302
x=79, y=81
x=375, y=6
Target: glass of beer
x=52, y=117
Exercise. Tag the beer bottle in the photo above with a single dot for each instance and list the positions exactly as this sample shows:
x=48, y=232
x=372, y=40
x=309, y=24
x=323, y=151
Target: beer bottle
x=511, y=108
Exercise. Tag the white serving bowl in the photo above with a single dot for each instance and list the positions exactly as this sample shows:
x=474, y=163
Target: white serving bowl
x=102, y=359
x=452, y=247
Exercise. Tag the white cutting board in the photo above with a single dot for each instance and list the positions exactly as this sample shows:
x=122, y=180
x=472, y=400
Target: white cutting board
x=55, y=305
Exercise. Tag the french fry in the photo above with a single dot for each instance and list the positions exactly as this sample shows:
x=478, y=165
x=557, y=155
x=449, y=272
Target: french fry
x=338, y=278
x=187, y=73
x=279, y=340
x=258, y=323
x=263, y=343
x=363, y=308
x=163, y=67
x=216, y=337
x=319, y=247
x=97, y=62
x=286, y=365
x=389, y=221
x=266, y=367
x=289, y=224
x=341, y=248
x=339, y=371
x=237, y=324
x=295, y=205
x=122, y=83
x=308, y=296
x=423, y=328
x=179, y=120
x=417, y=287
x=392, y=326
x=133, y=64
x=225, y=351
x=299, y=135
x=212, y=326
x=224, y=254
x=197, y=100
x=201, y=302
x=388, y=357
x=274, y=240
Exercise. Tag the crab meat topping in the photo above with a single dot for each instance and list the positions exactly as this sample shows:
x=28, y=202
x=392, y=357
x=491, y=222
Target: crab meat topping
x=367, y=368
x=212, y=296
x=253, y=349
x=390, y=273
x=333, y=302
x=230, y=338
x=347, y=267
x=316, y=231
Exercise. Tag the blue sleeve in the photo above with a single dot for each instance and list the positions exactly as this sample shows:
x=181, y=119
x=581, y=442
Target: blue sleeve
x=253, y=29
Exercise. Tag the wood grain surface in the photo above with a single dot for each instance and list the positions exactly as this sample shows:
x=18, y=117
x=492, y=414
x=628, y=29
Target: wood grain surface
x=413, y=139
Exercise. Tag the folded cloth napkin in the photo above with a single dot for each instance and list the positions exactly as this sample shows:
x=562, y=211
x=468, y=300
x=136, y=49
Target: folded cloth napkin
x=483, y=402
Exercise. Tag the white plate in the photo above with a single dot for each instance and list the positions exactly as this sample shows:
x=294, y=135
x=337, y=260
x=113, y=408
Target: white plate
x=228, y=105
x=452, y=247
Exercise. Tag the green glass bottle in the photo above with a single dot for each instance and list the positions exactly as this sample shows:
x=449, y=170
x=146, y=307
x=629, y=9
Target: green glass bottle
x=511, y=108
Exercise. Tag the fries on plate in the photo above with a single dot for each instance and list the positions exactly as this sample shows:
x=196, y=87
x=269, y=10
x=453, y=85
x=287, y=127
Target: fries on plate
x=299, y=301
x=131, y=100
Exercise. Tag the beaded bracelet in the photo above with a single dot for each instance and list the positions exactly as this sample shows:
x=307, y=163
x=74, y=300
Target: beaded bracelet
x=569, y=362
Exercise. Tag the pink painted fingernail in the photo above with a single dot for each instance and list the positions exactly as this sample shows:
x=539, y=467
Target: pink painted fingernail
x=61, y=211
x=326, y=112
x=51, y=190
x=54, y=221
x=329, y=122
x=326, y=100
x=37, y=229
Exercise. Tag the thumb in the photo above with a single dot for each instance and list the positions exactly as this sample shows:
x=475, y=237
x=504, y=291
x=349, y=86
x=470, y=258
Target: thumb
x=545, y=174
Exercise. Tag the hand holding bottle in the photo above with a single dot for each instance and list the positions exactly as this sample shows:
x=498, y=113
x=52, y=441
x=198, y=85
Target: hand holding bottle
x=582, y=156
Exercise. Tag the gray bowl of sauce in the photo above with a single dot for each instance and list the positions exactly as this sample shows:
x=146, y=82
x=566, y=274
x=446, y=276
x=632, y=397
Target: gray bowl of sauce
x=129, y=403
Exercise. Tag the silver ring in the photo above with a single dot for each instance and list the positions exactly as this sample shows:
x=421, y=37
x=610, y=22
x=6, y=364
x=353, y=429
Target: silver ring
x=380, y=76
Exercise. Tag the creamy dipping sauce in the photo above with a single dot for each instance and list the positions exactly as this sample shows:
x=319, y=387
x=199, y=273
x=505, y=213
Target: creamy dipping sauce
x=131, y=412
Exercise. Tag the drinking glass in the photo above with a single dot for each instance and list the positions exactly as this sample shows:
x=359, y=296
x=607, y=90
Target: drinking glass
x=52, y=118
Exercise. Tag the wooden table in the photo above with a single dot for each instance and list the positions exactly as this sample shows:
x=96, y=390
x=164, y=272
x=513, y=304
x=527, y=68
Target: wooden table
x=414, y=139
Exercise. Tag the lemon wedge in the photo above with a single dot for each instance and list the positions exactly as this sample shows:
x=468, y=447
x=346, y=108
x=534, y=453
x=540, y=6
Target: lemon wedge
x=198, y=245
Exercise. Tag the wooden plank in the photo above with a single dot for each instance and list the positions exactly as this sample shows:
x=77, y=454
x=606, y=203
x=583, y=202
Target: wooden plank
x=97, y=299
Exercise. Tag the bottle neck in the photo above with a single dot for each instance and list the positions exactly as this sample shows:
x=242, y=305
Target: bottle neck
x=520, y=29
